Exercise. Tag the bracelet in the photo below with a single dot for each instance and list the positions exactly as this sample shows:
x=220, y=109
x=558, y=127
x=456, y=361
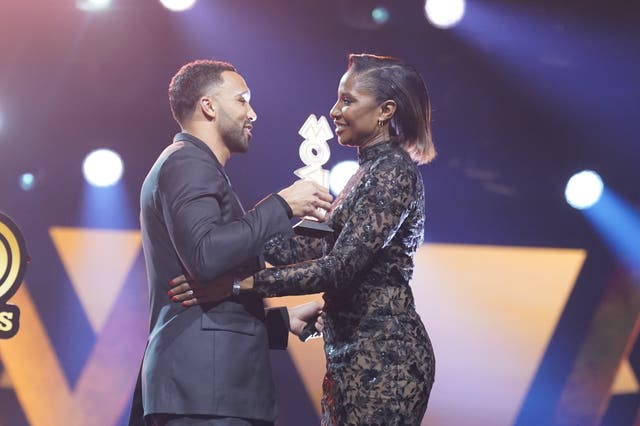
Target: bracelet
x=235, y=290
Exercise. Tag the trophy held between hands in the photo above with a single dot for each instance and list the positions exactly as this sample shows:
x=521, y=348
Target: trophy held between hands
x=314, y=152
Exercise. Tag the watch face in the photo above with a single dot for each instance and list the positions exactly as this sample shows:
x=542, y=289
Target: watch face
x=236, y=287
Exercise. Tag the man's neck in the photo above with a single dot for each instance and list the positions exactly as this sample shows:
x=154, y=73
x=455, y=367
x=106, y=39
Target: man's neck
x=213, y=141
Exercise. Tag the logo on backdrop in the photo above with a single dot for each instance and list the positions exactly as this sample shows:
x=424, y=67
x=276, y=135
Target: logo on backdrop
x=97, y=264
x=13, y=265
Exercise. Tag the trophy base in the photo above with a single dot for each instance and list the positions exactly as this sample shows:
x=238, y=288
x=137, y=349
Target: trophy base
x=311, y=228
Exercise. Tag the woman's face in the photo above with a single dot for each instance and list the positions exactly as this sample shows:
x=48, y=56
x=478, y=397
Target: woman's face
x=355, y=114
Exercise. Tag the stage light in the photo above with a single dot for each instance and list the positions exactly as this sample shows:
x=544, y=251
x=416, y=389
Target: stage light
x=380, y=15
x=444, y=13
x=92, y=5
x=102, y=167
x=178, y=5
x=26, y=181
x=364, y=14
x=340, y=175
x=583, y=189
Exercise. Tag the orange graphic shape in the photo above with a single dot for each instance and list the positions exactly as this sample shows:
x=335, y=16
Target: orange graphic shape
x=97, y=262
x=490, y=312
x=625, y=380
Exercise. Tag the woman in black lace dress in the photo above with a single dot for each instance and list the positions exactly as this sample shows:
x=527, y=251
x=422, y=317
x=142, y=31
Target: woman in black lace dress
x=380, y=363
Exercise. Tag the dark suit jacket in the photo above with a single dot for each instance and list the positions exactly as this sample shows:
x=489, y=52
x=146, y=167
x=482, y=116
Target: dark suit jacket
x=209, y=359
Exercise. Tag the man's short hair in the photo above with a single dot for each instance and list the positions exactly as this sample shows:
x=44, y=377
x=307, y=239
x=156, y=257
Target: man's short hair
x=191, y=82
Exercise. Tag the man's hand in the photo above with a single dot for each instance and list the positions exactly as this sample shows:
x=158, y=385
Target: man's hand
x=305, y=197
x=189, y=293
x=299, y=317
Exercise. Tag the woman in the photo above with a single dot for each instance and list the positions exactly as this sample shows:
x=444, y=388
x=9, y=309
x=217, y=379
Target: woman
x=380, y=363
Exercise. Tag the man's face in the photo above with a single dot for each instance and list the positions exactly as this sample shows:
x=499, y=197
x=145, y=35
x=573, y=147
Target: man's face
x=234, y=113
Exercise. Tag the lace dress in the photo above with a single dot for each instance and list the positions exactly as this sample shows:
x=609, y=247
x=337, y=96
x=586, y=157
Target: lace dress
x=380, y=363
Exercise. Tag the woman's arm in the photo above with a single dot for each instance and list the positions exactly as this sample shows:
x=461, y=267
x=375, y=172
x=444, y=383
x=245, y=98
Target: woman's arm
x=386, y=197
x=282, y=251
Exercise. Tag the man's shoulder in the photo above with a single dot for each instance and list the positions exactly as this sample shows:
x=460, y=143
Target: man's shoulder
x=183, y=150
x=182, y=165
x=185, y=158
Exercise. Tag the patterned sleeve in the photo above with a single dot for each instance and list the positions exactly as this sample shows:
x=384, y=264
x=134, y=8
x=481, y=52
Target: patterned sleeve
x=281, y=251
x=383, y=201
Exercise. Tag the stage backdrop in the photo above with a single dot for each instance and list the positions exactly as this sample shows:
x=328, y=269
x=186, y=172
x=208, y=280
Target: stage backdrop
x=494, y=315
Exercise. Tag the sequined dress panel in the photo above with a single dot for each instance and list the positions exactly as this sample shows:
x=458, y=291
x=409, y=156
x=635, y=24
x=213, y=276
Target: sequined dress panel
x=380, y=363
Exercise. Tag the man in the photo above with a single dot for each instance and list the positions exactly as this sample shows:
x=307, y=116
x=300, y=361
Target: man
x=209, y=364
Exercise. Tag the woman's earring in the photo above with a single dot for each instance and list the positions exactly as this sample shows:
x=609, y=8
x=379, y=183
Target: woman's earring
x=380, y=123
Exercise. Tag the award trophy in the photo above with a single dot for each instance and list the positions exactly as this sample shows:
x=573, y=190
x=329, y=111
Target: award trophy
x=314, y=152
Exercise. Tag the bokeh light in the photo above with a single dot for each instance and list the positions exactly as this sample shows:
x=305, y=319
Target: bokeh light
x=26, y=181
x=380, y=15
x=102, y=168
x=178, y=5
x=93, y=5
x=444, y=13
x=340, y=175
x=583, y=189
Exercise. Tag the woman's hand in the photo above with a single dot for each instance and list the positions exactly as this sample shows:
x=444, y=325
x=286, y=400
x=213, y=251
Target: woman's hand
x=189, y=293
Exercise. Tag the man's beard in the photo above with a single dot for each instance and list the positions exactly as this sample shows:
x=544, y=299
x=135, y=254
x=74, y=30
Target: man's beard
x=236, y=139
x=237, y=142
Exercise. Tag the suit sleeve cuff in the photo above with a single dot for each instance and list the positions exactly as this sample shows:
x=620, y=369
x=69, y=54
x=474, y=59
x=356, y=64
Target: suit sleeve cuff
x=277, y=322
x=285, y=205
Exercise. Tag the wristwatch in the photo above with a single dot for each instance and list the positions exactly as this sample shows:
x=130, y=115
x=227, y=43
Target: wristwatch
x=235, y=290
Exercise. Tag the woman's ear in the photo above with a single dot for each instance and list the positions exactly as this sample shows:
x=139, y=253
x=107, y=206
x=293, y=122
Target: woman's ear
x=387, y=110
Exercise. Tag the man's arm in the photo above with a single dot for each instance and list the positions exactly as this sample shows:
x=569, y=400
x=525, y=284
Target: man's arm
x=190, y=191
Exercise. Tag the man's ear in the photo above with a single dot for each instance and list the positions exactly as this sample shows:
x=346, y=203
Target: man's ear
x=387, y=110
x=206, y=106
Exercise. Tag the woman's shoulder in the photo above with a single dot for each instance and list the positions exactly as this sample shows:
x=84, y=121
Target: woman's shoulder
x=395, y=162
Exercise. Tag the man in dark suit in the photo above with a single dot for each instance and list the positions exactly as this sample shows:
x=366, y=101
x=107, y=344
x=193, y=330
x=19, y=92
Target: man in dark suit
x=209, y=364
